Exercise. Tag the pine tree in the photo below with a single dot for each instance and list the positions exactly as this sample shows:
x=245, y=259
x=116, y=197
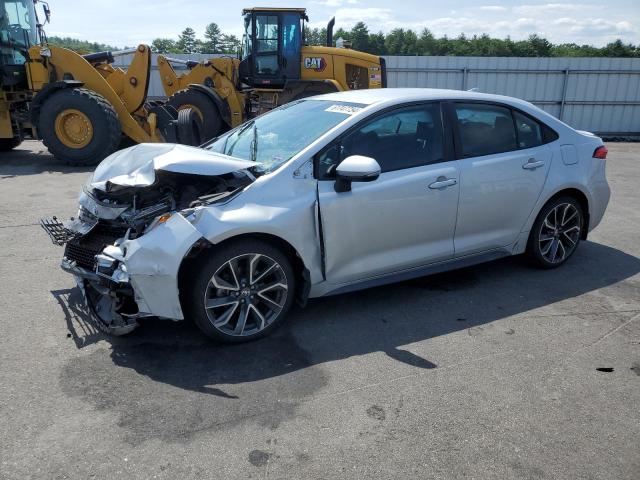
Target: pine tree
x=213, y=36
x=187, y=41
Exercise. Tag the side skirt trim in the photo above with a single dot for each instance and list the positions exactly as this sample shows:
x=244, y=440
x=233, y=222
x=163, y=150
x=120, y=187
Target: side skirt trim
x=421, y=271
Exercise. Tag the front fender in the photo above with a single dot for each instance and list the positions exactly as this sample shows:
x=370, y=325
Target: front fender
x=295, y=224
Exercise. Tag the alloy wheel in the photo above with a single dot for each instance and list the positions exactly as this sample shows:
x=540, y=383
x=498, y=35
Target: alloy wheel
x=246, y=294
x=560, y=233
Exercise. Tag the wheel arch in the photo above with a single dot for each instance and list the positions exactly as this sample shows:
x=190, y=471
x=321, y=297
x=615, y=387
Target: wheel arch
x=203, y=246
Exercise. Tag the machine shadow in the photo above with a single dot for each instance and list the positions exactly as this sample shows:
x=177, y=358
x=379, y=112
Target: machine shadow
x=381, y=319
x=20, y=162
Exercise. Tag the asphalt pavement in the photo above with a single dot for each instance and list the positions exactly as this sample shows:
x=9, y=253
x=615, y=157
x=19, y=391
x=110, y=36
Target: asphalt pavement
x=494, y=371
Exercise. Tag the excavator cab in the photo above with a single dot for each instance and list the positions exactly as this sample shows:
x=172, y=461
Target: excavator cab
x=272, y=45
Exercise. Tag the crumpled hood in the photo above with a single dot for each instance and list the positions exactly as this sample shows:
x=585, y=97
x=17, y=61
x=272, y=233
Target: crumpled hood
x=136, y=166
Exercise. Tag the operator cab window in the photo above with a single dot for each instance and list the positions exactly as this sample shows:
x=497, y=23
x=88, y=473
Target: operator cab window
x=266, y=44
x=403, y=138
x=485, y=129
x=17, y=31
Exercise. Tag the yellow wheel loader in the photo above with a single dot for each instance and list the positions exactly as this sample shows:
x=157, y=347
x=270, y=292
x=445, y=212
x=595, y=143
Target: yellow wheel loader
x=78, y=105
x=275, y=68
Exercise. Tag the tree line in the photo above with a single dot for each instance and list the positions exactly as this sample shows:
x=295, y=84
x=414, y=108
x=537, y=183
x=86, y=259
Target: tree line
x=399, y=41
x=402, y=41
x=214, y=42
x=81, y=46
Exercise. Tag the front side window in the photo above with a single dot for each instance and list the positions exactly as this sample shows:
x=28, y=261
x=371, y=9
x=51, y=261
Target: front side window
x=485, y=129
x=403, y=138
x=273, y=138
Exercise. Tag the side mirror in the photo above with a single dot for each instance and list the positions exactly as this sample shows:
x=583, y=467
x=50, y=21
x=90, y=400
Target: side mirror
x=355, y=168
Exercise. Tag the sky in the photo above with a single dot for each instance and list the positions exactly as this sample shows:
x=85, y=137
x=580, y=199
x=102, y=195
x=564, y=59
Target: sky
x=129, y=22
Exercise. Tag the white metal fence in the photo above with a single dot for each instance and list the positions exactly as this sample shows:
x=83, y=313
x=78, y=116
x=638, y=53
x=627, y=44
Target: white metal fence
x=597, y=94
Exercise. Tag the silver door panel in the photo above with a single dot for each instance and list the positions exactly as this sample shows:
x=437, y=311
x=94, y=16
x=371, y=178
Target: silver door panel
x=394, y=222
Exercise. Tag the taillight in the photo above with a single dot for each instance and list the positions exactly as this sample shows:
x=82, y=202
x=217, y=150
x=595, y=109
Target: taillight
x=601, y=152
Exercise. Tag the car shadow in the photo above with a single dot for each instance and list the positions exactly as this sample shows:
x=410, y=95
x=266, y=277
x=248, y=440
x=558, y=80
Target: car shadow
x=333, y=328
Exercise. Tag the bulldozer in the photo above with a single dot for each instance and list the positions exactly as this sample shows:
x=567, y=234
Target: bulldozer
x=274, y=68
x=80, y=106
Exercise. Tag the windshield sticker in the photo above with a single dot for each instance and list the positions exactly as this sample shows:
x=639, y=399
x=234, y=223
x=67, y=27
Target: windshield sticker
x=346, y=109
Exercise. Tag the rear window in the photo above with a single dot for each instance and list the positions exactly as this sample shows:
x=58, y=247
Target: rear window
x=485, y=129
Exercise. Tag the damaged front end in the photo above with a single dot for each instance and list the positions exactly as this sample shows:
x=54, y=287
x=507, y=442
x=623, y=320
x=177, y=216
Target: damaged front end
x=150, y=190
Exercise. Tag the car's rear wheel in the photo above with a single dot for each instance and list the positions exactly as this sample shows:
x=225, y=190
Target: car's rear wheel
x=242, y=292
x=556, y=232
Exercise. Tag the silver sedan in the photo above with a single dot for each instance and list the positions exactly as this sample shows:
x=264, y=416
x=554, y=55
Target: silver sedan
x=328, y=195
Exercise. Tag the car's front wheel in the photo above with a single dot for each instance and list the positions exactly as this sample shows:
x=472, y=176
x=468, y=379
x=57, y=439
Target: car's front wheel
x=556, y=232
x=242, y=291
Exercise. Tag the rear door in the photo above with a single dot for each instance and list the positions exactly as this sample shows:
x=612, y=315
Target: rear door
x=407, y=216
x=503, y=168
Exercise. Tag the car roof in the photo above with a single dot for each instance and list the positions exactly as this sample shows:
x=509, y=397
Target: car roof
x=391, y=95
x=384, y=97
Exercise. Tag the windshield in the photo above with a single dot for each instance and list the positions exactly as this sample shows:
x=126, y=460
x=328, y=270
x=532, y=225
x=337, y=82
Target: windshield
x=275, y=137
x=18, y=30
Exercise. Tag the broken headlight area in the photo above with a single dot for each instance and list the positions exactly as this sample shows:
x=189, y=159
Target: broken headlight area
x=171, y=192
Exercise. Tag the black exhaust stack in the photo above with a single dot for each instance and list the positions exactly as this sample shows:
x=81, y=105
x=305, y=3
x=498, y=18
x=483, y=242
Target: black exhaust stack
x=330, y=25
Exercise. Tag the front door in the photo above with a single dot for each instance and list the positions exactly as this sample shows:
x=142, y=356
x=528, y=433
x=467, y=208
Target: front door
x=405, y=218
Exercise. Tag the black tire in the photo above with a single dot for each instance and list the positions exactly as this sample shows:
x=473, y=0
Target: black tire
x=8, y=144
x=189, y=128
x=106, y=128
x=565, y=237
x=200, y=289
x=212, y=124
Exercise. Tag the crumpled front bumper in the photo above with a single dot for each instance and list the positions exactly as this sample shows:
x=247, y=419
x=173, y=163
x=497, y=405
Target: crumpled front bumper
x=147, y=265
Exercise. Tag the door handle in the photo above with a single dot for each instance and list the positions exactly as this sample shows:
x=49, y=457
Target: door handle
x=443, y=182
x=532, y=164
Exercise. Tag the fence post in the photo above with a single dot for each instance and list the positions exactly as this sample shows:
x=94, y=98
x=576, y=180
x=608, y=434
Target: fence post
x=565, y=81
x=465, y=72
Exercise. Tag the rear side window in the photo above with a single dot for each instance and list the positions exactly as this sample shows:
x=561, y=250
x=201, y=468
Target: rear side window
x=485, y=129
x=530, y=132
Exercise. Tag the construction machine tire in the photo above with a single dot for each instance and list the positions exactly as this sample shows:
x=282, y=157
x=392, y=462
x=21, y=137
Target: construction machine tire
x=189, y=128
x=8, y=144
x=204, y=107
x=79, y=126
